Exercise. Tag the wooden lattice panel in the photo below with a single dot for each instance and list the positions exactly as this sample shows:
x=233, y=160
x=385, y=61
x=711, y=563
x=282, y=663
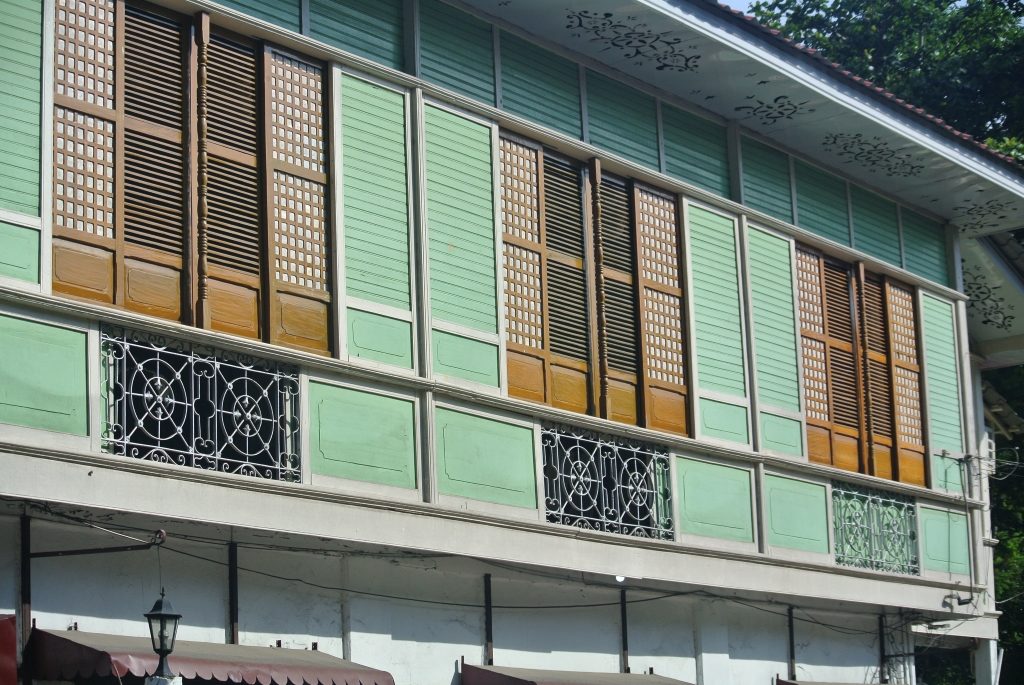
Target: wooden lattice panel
x=902, y=325
x=520, y=201
x=524, y=313
x=300, y=240
x=84, y=51
x=908, y=406
x=296, y=113
x=659, y=251
x=815, y=380
x=808, y=269
x=83, y=173
x=663, y=336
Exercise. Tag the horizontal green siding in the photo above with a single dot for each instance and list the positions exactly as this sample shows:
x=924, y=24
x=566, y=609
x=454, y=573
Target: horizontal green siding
x=21, y=85
x=924, y=247
x=772, y=300
x=941, y=363
x=622, y=120
x=485, y=459
x=875, y=226
x=19, y=252
x=766, y=180
x=379, y=338
x=944, y=544
x=456, y=51
x=460, y=221
x=284, y=13
x=797, y=514
x=714, y=500
x=362, y=436
x=375, y=193
x=716, y=301
x=368, y=28
x=540, y=86
x=821, y=204
x=696, y=150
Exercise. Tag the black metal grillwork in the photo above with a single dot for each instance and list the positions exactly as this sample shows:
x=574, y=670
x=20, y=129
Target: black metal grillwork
x=172, y=402
x=601, y=482
x=875, y=530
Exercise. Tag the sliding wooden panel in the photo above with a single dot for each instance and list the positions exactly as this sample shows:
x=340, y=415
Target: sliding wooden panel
x=878, y=375
x=295, y=177
x=904, y=356
x=663, y=338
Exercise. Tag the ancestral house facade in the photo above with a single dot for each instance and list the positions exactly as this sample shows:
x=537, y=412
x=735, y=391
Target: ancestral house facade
x=490, y=340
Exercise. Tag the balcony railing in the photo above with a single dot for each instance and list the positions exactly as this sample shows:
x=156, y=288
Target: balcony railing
x=874, y=530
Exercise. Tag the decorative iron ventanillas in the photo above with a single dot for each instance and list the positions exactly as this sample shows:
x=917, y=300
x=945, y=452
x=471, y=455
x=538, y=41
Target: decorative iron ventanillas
x=601, y=482
x=172, y=402
x=875, y=530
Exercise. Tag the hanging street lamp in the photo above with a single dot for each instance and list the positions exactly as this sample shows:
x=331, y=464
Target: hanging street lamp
x=163, y=629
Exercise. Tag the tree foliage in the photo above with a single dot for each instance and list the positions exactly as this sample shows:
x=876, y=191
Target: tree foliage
x=962, y=61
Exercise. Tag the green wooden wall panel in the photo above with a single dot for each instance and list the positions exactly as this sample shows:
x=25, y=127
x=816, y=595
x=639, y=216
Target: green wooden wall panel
x=696, y=150
x=944, y=544
x=362, y=436
x=622, y=120
x=375, y=193
x=284, y=13
x=19, y=252
x=724, y=421
x=775, y=337
x=924, y=247
x=875, y=226
x=540, y=86
x=714, y=500
x=821, y=204
x=797, y=514
x=471, y=360
x=947, y=474
x=766, y=180
x=716, y=298
x=460, y=221
x=379, y=338
x=782, y=434
x=456, y=51
x=941, y=363
x=43, y=378
x=368, y=28
x=21, y=85
x=485, y=459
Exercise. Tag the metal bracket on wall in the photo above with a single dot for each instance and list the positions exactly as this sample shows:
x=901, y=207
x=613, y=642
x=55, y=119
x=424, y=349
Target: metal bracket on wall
x=159, y=537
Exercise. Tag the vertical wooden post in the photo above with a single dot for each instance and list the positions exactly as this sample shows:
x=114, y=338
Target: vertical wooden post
x=488, y=622
x=233, y=592
x=624, y=624
x=883, y=673
x=202, y=164
x=26, y=578
x=792, y=646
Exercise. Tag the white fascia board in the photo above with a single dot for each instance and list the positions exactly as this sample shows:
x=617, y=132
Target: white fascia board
x=845, y=95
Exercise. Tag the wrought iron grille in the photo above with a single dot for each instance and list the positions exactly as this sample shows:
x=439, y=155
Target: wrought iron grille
x=604, y=483
x=874, y=530
x=172, y=402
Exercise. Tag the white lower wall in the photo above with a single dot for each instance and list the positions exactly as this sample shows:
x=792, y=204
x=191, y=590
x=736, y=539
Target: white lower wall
x=661, y=636
x=758, y=643
x=845, y=654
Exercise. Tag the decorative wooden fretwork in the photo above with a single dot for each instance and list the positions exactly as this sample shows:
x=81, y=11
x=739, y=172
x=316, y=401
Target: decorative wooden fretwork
x=84, y=48
x=83, y=173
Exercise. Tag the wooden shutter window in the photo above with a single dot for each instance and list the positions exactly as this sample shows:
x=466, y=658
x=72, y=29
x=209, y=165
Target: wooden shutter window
x=154, y=71
x=906, y=384
x=878, y=381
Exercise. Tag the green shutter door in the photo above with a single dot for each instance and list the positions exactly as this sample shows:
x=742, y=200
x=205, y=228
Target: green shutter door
x=622, y=120
x=368, y=28
x=875, y=226
x=776, y=367
x=21, y=85
x=766, y=180
x=456, y=51
x=461, y=236
x=696, y=150
x=718, y=327
x=924, y=247
x=941, y=370
x=540, y=86
x=821, y=204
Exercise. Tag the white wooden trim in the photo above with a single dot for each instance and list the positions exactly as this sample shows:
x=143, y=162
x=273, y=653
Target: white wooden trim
x=46, y=150
x=338, y=211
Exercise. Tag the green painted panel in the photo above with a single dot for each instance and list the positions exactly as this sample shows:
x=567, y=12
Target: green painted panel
x=379, y=338
x=945, y=544
x=696, y=150
x=622, y=120
x=368, y=28
x=775, y=337
x=941, y=362
x=875, y=226
x=924, y=247
x=43, y=376
x=540, y=86
x=723, y=421
x=821, y=205
x=714, y=500
x=782, y=434
x=461, y=357
x=947, y=474
x=375, y=193
x=19, y=252
x=456, y=51
x=797, y=514
x=460, y=221
x=362, y=436
x=281, y=12
x=485, y=459
x=716, y=297
x=766, y=180
x=20, y=106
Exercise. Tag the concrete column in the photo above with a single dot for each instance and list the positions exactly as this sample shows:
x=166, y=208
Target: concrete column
x=986, y=661
x=711, y=641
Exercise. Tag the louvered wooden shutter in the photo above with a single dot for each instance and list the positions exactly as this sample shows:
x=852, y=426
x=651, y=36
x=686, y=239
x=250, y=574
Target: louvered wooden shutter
x=297, y=219
x=663, y=339
x=877, y=375
x=904, y=355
